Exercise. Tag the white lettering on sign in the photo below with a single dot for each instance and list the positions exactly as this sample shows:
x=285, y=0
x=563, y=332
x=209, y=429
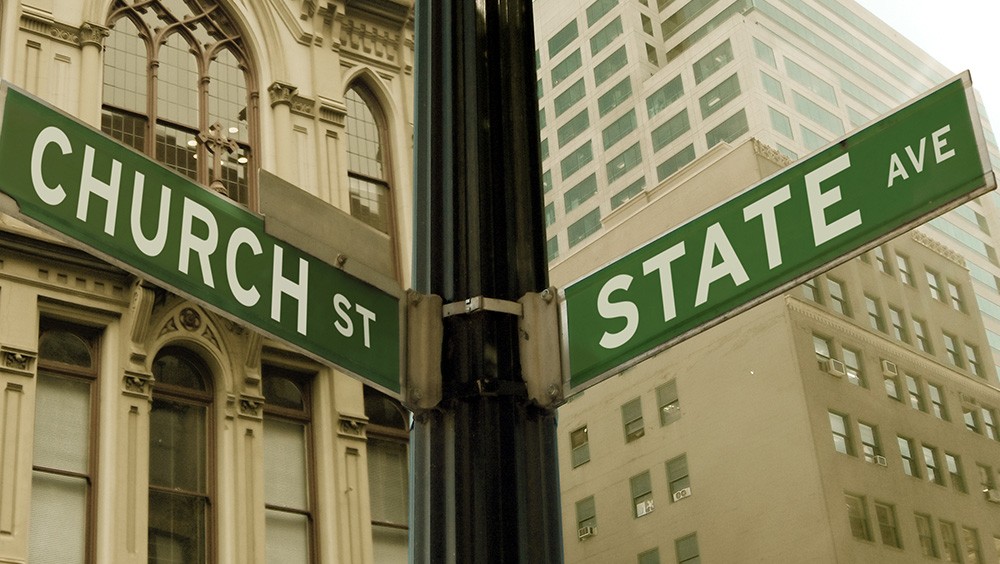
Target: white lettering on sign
x=819, y=201
x=107, y=191
x=716, y=241
x=299, y=291
x=49, y=136
x=897, y=169
x=242, y=237
x=661, y=263
x=149, y=247
x=203, y=246
x=764, y=209
x=345, y=324
x=614, y=310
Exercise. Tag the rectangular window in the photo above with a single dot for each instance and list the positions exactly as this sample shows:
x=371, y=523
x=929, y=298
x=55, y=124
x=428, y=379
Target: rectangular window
x=584, y=227
x=563, y=38
x=647, y=24
x=989, y=423
x=910, y=467
x=608, y=67
x=905, y=272
x=678, y=477
x=580, y=193
x=598, y=9
x=954, y=465
x=642, y=494
x=972, y=357
x=623, y=163
x=971, y=417
x=674, y=163
x=729, y=130
x=670, y=130
x=629, y=192
x=576, y=160
x=573, y=128
x=841, y=435
x=875, y=318
x=712, y=62
x=614, y=96
x=541, y=118
x=579, y=441
x=951, y=348
x=811, y=139
x=986, y=481
x=764, y=52
x=925, y=532
x=543, y=149
x=780, y=123
x=852, y=365
x=856, y=118
x=881, y=261
x=606, y=35
x=955, y=296
x=857, y=516
x=934, y=284
x=811, y=289
x=887, y=525
x=920, y=332
x=892, y=385
x=651, y=55
x=772, y=86
x=651, y=556
x=570, y=96
x=552, y=248
x=970, y=538
x=586, y=513
x=916, y=398
x=949, y=542
x=562, y=70
x=813, y=83
x=932, y=465
x=937, y=401
x=870, y=445
x=664, y=96
x=550, y=214
x=898, y=326
x=632, y=420
x=716, y=98
x=618, y=129
x=687, y=549
x=818, y=114
x=668, y=403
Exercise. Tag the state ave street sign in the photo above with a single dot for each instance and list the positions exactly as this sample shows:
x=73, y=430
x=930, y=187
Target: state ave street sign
x=918, y=162
x=71, y=180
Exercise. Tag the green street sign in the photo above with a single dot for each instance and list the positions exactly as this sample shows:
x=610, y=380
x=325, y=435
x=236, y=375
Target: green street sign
x=923, y=159
x=73, y=181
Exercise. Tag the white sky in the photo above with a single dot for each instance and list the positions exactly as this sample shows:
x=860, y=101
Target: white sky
x=961, y=34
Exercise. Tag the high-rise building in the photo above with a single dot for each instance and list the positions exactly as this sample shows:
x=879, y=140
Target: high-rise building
x=850, y=420
x=137, y=425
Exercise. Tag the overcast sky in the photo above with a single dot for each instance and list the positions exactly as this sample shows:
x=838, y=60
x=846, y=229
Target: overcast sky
x=961, y=34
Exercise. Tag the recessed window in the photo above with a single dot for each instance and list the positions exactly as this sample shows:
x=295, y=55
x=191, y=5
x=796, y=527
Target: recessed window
x=954, y=465
x=668, y=403
x=934, y=284
x=949, y=542
x=852, y=365
x=642, y=494
x=841, y=435
x=881, y=262
x=905, y=272
x=838, y=296
x=875, y=318
x=888, y=528
x=906, y=452
x=678, y=477
x=632, y=420
x=932, y=465
x=586, y=513
x=897, y=320
x=913, y=390
x=870, y=445
x=951, y=349
x=937, y=401
x=367, y=154
x=687, y=549
x=388, y=473
x=579, y=441
x=857, y=516
x=920, y=333
x=925, y=532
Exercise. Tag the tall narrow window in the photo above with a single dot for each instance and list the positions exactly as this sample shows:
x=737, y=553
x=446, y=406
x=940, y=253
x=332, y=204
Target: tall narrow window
x=632, y=420
x=881, y=261
x=62, y=466
x=905, y=272
x=176, y=88
x=586, y=513
x=955, y=296
x=898, y=327
x=910, y=467
x=668, y=402
x=970, y=538
x=838, y=296
x=951, y=349
x=937, y=401
x=687, y=549
x=367, y=160
x=852, y=365
x=954, y=464
x=934, y=284
x=920, y=332
x=651, y=556
x=579, y=441
x=642, y=494
x=180, y=522
x=875, y=317
x=887, y=525
x=925, y=532
x=949, y=541
x=388, y=475
x=932, y=465
x=678, y=478
x=916, y=398
x=869, y=442
x=288, y=518
x=841, y=435
x=857, y=516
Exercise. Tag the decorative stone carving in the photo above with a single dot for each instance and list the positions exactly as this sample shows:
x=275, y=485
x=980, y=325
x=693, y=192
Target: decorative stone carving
x=351, y=426
x=169, y=327
x=17, y=361
x=137, y=384
x=939, y=247
x=190, y=319
x=770, y=153
x=251, y=406
x=281, y=93
x=370, y=41
x=93, y=34
x=44, y=25
x=332, y=111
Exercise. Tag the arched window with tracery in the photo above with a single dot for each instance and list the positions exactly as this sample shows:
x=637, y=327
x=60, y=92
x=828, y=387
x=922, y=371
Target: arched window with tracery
x=367, y=156
x=177, y=88
x=180, y=459
x=388, y=475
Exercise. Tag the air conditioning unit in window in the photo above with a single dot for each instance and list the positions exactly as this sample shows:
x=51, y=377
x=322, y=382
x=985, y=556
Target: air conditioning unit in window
x=586, y=532
x=880, y=460
x=834, y=367
x=992, y=495
x=682, y=493
x=643, y=508
x=889, y=368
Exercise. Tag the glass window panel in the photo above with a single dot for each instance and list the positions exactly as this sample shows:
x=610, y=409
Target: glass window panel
x=684, y=15
x=716, y=98
x=388, y=477
x=612, y=64
x=615, y=96
x=580, y=193
x=287, y=539
x=586, y=513
x=712, y=62
x=390, y=544
x=670, y=130
x=815, y=84
x=818, y=114
x=227, y=95
x=676, y=162
x=857, y=514
x=129, y=129
x=566, y=67
x=650, y=557
x=562, y=38
x=584, y=227
x=285, y=479
x=364, y=140
x=177, y=89
x=618, y=129
x=570, y=96
x=65, y=347
x=687, y=549
x=664, y=96
x=576, y=160
x=573, y=128
x=179, y=371
x=780, y=123
x=623, y=163
x=370, y=202
x=729, y=130
x=177, y=528
x=764, y=52
x=629, y=192
x=772, y=86
x=811, y=139
x=552, y=248
x=598, y=9
x=62, y=423
x=177, y=445
x=177, y=148
x=58, y=531
x=125, y=58
x=605, y=36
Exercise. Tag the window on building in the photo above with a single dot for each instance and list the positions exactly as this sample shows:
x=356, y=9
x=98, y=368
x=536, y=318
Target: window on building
x=910, y=467
x=822, y=346
x=552, y=248
x=949, y=541
x=954, y=465
x=813, y=83
x=728, y=131
x=838, y=296
x=973, y=553
x=584, y=227
x=891, y=382
x=675, y=162
x=642, y=494
x=818, y=114
x=620, y=165
x=780, y=123
x=934, y=284
x=664, y=96
x=668, y=403
x=920, y=332
x=586, y=513
x=388, y=475
x=618, y=129
x=937, y=401
x=841, y=435
x=905, y=272
x=955, y=296
x=972, y=357
x=772, y=86
x=562, y=38
x=712, y=62
x=614, y=96
x=573, y=94
x=764, y=52
x=881, y=261
x=687, y=549
x=579, y=441
x=367, y=158
x=932, y=465
x=651, y=556
x=875, y=318
x=716, y=98
x=989, y=419
x=971, y=417
x=176, y=88
x=898, y=326
x=677, y=475
x=180, y=459
x=573, y=128
x=870, y=445
x=986, y=480
x=811, y=290
x=628, y=192
x=577, y=195
x=857, y=516
x=647, y=24
x=550, y=214
x=632, y=420
x=811, y=139
x=651, y=55
x=888, y=527
x=62, y=465
x=566, y=67
x=610, y=66
x=951, y=349
x=925, y=532
x=852, y=365
x=598, y=9
x=606, y=35
x=288, y=517
x=916, y=397
x=576, y=160
x=670, y=130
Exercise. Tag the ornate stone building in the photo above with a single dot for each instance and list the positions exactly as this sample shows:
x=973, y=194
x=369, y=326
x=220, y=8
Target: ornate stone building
x=136, y=425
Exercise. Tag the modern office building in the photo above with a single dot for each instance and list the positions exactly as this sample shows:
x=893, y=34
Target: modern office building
x=851, y=420
x=139, y=426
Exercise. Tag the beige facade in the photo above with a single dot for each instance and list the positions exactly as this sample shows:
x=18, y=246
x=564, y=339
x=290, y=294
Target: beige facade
x=804, y=430
x=136, y=425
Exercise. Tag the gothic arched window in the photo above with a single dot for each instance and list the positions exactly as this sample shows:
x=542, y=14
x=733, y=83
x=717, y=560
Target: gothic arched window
x=176, y=87
x=367, y=155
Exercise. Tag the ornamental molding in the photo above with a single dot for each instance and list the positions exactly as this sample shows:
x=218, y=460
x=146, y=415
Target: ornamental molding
x=332, y=111
x=93, y=34
x=281, y=93
x=137, y=384
x=18, y=361
x=251, y=407
x=770, y=153
x=39, y=23
x=352, y=427
x=938, y=247
x=370, y=42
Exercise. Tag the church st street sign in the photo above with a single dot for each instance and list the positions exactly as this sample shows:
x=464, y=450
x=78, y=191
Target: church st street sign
x=925, y=158
x=70, y=180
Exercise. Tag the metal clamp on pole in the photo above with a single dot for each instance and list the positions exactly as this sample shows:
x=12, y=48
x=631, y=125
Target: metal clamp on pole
x=480, y=303
x=424, y=338
x=540, y=348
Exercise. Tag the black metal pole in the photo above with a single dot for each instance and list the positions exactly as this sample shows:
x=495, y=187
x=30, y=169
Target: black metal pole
x=485, y=480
